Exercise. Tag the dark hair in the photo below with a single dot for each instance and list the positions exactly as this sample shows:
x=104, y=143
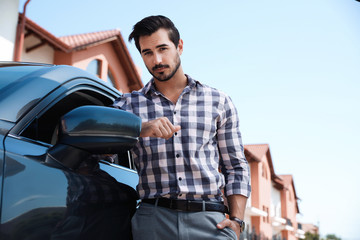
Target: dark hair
x=151, y=24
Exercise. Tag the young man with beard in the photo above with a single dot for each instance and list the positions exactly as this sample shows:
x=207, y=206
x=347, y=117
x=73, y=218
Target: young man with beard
x=189, y=132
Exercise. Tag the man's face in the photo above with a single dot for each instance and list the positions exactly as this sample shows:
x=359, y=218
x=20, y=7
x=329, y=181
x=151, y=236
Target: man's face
x=160, y=55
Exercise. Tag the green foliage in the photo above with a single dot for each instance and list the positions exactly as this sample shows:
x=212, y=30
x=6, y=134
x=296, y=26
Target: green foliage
x=314, y=236
x=311, y=236
x=332, y=237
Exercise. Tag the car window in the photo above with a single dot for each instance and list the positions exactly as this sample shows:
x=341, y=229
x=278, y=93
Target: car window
x=44, y=127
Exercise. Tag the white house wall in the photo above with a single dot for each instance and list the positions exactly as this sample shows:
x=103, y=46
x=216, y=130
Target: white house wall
x=8, y=22
x=43, y=54
x=275, y=210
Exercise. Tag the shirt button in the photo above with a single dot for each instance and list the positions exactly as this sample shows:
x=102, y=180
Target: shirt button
x=174, y=112
x=177, y=155
x=175, y=133
x=180, y=178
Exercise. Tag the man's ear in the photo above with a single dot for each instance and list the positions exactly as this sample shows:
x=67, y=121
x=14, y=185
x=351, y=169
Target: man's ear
x=180, y=46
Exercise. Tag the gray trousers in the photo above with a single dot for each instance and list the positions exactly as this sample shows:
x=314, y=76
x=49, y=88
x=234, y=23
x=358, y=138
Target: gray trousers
x=152, y=222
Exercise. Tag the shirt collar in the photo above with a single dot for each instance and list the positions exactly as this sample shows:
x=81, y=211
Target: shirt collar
x=150, y=86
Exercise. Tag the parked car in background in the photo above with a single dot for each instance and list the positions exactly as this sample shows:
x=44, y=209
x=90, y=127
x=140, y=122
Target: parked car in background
x=64, y=164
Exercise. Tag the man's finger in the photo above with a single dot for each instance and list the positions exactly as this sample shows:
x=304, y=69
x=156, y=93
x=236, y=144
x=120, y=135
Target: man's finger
x=161, y=127
x=166, y=132
x=228, y=223
x=223, y=224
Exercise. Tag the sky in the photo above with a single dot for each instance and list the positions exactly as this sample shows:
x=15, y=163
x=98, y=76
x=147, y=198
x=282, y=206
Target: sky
x=291, y=68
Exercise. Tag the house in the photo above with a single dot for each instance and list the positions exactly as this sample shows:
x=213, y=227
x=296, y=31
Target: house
x=290, y=209
x=311, y=228
x=272, y=208
x=101, y=53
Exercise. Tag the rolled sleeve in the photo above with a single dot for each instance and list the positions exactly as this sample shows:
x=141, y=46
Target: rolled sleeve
x=233, y=163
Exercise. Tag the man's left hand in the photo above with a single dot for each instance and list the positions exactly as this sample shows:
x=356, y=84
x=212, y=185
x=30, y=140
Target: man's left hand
x=231, y=224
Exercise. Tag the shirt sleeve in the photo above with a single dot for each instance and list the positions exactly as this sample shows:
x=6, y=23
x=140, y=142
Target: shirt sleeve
x=121, y=102
x=233, y=163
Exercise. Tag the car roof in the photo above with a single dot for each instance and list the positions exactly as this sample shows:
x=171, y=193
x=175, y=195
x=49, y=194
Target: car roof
x=23, y=85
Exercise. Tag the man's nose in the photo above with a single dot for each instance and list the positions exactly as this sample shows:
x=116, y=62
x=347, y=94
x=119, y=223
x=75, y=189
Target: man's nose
x=157, y=58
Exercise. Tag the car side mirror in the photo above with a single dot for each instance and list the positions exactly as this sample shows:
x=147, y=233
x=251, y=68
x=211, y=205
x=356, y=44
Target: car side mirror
x=90, y=130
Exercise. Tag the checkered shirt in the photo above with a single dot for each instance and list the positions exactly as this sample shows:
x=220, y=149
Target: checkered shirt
x=187, y=165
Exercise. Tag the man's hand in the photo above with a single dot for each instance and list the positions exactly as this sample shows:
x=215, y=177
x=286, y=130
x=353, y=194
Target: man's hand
x=231, y=224
x=160, y=127
x=237, y=205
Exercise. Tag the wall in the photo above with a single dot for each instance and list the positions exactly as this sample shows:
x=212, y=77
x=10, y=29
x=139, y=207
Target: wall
x=105, y=53
x=8, y=22
x=289, y=208
x=265, y=200
x=261, y=196
x=43, y=54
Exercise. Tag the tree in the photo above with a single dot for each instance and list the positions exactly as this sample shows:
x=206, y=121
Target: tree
x=332, y=237
x=312, y=236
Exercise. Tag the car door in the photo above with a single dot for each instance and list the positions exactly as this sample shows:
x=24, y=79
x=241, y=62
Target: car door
x=36, y=193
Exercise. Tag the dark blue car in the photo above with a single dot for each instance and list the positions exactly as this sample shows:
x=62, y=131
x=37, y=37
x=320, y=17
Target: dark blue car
x=65, y=171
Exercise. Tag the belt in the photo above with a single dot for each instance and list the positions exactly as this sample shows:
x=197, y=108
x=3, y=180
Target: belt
x=188, y=205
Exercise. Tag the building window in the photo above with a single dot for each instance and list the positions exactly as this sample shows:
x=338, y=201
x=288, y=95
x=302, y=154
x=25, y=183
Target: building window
x=267, y=218
x=264, y=218
x=110, y=78
x=94, y=67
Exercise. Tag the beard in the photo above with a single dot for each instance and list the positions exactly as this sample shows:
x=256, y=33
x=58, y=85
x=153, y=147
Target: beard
x=162, y=77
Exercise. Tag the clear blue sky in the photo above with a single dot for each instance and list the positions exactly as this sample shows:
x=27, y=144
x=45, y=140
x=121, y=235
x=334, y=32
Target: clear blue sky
x=291, y=67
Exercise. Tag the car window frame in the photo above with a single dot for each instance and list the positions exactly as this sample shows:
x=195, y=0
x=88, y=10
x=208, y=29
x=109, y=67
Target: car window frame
x=54, y=97
x=57, y=95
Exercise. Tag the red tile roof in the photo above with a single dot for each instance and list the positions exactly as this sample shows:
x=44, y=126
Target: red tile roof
x=287, y=179
x=73, y=42
x=257, y=151
x=87, y=39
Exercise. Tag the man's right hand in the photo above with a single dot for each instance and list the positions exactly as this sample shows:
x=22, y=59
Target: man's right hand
x=160, y=127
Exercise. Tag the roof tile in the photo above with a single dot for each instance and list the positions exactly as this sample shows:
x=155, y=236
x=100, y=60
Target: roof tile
x=257, y=150
x=80, y=40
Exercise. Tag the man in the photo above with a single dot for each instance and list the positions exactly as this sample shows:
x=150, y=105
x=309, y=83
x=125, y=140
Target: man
x=189, y=132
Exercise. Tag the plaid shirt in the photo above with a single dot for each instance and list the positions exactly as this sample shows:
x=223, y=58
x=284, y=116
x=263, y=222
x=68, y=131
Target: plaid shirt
x=186, y=166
